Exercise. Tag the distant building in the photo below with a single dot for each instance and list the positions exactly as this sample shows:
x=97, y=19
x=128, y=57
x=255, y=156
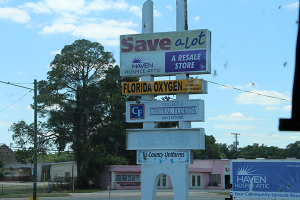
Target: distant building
x=15, y=171
x=202, y=175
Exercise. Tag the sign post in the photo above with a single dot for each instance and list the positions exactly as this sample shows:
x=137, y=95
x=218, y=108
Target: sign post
x=165, y=150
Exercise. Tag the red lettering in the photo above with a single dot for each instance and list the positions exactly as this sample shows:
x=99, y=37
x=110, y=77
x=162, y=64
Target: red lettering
x=141, y=46
x=126, y=44
x=152, y=47
x=165, y=44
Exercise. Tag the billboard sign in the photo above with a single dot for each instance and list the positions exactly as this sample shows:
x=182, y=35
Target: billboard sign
x=266, y=179
x=167, y=53
x=165, y=138
x=196, y=86
x=164, y=157
x=165, y=111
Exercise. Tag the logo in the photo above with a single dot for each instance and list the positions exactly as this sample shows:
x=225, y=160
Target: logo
x=227, y=169
x=138, y=62
x=137, y=111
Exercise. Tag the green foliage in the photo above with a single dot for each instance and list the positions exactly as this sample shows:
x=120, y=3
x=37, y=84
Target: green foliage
x=223, y=156
x=293, y=150
x=82, y=107
x=1, y=169
x=55, y=157
x=212, y=149
x=215, y=183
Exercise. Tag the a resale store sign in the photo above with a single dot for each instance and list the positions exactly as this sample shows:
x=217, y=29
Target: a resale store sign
x=198, y=86
x=164, y=157
x=164, y=111
x=165, y=53
x=265, y=179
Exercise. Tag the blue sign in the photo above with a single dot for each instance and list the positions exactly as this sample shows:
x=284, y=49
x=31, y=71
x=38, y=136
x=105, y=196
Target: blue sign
x=266, y=180
x=185, y=61
x=137, y=111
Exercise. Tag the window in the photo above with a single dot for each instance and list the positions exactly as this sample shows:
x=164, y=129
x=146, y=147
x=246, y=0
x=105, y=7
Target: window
x=9, y=173
x=127, y=177
x=215, y=178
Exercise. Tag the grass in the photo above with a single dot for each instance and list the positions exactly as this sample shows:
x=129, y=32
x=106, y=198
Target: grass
x=222, y=193
x=26, y=190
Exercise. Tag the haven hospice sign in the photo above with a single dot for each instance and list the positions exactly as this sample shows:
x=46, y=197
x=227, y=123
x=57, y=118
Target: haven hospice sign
x=266, y=179
x=166, y=53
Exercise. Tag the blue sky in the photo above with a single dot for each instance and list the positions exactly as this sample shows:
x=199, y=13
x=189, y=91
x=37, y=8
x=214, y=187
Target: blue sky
x=253, y=49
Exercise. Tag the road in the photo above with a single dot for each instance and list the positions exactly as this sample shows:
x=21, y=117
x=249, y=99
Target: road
x=161, y=194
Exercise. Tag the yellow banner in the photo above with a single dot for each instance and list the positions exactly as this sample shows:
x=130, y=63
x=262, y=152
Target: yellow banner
x=164, y=87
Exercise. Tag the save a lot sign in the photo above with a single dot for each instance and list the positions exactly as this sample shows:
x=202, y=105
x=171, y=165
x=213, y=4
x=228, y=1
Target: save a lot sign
x=167, y=53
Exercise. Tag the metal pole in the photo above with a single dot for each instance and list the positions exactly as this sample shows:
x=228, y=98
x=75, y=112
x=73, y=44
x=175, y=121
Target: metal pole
x=35, y=141
x=236, y=134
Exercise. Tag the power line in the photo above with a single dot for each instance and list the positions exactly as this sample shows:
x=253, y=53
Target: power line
x=8, y=83
x=15, y=101
x=248, y=91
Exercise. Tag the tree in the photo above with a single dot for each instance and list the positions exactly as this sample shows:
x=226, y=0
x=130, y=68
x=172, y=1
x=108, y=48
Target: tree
x=293, y=150
x=83, y=108
x=212, y=149
x=1, y=169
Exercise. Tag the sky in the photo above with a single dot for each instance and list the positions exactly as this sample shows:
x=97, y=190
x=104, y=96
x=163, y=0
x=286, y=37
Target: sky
x=253, y=49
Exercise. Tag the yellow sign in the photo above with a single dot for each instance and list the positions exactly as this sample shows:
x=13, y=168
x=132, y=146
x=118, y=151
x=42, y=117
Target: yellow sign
x=165, y=87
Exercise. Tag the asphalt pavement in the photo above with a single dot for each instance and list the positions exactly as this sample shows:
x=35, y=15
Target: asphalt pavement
x=161, y=194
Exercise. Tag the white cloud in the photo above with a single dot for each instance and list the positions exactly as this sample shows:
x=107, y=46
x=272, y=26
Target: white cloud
x=67, y=18
x=251, y=98
x=14, y=14
x=292, y=6
x=137, y=11
x=288, y=107
x=196, y=18
x=21, y=73
x=4, y=1
x=232, y=117
x=55, y=52
x=28, y=108
x=5, y=123
x=107, y=35
x=58, y=28
x=101, y=5
x=38, y=7
x=274, y=108
x=234, y=126
x=116, y=23
x=170, y=8
x=156, y=13
x=66, y=5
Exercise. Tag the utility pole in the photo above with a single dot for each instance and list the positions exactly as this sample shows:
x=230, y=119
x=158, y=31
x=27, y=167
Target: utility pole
x=35, y=133
x=236, y=134
x=35, y=141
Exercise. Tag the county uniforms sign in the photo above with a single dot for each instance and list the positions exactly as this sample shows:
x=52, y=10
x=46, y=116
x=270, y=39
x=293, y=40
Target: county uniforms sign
x=165, y=53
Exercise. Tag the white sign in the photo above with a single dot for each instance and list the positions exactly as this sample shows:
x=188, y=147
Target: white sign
x=164, y=157
x=165, y=53
x=165, y=138
x=164, y=111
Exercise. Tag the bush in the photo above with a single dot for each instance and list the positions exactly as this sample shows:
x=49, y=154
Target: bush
x=215, y=183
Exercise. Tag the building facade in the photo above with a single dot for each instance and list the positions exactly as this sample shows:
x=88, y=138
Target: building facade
x=203, y=174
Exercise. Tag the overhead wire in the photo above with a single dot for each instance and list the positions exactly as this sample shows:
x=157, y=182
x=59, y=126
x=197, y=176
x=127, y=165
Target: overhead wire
x=15, y=101
x=248, y=91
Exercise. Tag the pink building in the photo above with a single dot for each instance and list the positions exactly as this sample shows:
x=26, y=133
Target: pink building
x=203, y=174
